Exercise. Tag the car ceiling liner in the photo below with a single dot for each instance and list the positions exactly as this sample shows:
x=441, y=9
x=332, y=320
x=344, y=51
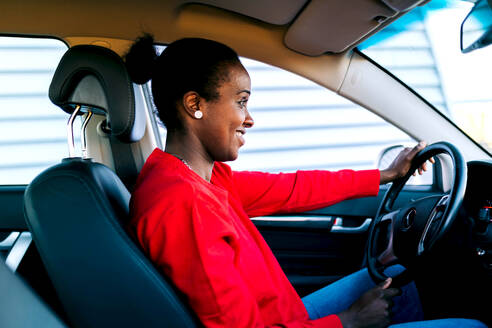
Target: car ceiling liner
x=316, y=27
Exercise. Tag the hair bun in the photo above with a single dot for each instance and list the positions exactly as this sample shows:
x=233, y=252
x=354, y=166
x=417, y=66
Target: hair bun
x=140, y=59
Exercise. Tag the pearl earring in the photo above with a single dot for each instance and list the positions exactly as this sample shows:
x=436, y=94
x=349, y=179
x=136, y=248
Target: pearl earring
x=198, y=114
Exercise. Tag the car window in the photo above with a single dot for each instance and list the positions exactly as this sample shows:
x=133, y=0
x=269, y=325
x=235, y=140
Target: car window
x=300, y=125
x=32, y=129
x=423, y=50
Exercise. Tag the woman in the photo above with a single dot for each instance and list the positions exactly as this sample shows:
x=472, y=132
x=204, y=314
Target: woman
x=191, y=212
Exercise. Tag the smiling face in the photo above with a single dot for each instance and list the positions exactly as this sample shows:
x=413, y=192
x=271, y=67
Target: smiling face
x=222, y=128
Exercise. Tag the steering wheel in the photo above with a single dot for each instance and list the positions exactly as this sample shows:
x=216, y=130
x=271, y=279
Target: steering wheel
x=403, y=235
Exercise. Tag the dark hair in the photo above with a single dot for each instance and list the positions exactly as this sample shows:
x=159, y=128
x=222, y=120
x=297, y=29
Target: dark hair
x=190, y=64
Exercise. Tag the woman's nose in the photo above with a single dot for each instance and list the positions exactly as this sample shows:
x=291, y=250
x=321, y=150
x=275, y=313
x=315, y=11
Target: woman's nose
x=248, y=120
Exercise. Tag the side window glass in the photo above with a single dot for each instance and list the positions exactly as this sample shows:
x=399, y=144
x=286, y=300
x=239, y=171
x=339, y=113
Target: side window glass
x=32, y=129
x=300, y=125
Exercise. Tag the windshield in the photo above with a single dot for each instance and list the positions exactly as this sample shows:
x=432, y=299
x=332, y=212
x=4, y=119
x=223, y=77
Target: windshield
x=422, y=49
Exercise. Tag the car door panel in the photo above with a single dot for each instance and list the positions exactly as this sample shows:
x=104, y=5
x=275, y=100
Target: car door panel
x=12, y=224
x=11, y=208
x=12, y=221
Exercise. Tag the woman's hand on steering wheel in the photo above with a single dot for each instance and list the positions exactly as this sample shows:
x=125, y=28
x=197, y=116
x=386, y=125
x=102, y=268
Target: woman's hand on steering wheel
x=402, y=163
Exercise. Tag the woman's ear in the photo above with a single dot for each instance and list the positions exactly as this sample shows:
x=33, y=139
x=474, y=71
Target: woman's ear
x=191, y=104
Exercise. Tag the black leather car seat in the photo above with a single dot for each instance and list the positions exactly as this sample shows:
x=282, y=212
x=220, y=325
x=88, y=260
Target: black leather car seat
x=77, y=210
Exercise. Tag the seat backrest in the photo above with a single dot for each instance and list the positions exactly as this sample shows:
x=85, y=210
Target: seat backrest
x=77, y=212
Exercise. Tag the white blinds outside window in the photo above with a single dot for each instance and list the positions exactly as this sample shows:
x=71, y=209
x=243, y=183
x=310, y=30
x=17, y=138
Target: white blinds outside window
x=32, y=129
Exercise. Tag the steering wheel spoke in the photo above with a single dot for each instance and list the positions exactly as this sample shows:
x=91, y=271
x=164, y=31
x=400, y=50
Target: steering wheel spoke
x=388, y=258
x=433, y=225
x=385, y=234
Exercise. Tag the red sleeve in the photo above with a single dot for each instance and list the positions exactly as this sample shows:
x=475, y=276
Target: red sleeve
x=197, y=249
x=267, y=193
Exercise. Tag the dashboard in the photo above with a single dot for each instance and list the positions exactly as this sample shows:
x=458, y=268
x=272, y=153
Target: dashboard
x=478, y=207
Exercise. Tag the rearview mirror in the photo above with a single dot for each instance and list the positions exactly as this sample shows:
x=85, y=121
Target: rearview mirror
x=476, y=29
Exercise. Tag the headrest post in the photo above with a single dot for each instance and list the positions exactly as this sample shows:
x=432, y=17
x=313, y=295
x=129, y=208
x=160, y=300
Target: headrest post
x=71, y=143
x=82, y=134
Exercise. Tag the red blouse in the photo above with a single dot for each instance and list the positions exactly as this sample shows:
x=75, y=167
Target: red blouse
x=200, y=235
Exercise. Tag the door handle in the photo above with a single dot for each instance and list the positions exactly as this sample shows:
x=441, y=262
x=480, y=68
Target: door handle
x=294, y=222
x=338, y=226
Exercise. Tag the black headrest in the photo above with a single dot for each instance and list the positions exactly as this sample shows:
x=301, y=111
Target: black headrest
x=95, y=77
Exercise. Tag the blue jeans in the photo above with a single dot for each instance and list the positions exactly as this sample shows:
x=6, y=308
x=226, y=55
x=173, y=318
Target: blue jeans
x=407, y=310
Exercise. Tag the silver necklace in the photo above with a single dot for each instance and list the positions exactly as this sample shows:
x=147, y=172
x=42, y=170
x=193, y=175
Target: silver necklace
x=182, y=160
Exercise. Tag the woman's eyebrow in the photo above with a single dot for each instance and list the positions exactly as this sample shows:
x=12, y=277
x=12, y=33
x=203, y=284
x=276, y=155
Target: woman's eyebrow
x=245, y=90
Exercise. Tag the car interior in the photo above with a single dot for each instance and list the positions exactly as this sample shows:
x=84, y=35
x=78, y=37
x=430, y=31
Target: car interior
x=69, y=259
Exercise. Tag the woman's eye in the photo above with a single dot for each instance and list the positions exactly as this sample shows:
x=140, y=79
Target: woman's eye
x=242, y=103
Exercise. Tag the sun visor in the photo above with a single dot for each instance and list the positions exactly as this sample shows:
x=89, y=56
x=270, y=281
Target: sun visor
x=350, y=22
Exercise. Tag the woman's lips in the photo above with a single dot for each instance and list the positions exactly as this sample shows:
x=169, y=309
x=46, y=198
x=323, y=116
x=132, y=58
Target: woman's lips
x=240, y=135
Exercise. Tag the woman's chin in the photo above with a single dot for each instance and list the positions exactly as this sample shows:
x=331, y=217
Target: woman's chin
x=227, y=157
x=233, y=155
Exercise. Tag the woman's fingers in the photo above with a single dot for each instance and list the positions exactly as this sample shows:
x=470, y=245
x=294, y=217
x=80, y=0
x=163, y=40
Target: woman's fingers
x=385, y=284
x=423, y=168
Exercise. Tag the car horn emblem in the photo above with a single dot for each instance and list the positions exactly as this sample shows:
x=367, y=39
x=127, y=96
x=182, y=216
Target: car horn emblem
x=409, y=218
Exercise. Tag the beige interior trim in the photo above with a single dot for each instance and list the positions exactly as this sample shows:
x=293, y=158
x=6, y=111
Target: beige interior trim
x=310, y=27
